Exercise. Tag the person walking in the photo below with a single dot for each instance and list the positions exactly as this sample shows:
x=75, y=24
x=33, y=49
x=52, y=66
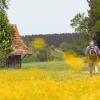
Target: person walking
x=92, y=52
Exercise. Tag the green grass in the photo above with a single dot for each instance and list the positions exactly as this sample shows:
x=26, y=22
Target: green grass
x=54, y=65
x=57, y=70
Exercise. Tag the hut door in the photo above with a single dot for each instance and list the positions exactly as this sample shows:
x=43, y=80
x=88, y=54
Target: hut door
x=14, y=61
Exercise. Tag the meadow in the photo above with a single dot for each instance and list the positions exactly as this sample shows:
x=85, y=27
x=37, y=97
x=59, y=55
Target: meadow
x=48, y=81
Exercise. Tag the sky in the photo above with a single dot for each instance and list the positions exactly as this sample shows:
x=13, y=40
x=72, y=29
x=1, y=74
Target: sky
x=44, y=16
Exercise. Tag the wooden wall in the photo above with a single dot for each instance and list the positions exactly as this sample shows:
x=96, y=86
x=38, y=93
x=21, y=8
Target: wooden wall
x=13, y=61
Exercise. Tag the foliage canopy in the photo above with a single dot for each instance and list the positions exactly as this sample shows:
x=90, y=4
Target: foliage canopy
x=6, y=31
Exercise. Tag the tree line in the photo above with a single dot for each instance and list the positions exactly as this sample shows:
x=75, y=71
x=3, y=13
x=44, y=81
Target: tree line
x=55, y=39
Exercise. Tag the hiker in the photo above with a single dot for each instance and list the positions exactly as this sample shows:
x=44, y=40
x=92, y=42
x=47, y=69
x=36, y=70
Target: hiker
x=92, y=52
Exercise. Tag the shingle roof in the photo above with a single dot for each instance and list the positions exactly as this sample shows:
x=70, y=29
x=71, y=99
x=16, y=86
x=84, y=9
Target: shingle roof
x=19, y=47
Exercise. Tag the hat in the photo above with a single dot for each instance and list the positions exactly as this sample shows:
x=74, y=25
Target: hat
x=92, y=42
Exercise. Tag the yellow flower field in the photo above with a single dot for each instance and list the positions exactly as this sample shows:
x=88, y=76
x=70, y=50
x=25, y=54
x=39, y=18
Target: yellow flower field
x=34, y=85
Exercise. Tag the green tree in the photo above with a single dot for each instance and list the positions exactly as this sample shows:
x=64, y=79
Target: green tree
x=92, y=17
x=76, y=47
x=3, y=5
x=6, y=31
x=89, y=25
x=80, y=25
x=94, y=20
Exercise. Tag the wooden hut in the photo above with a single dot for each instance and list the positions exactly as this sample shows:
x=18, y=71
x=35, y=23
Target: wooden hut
x=19, y=51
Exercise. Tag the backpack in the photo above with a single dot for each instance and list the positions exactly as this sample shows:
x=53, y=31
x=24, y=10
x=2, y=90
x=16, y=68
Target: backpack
x=92, y=51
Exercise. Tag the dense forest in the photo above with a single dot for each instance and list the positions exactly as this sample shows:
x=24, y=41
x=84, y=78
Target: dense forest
x=55, y=39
